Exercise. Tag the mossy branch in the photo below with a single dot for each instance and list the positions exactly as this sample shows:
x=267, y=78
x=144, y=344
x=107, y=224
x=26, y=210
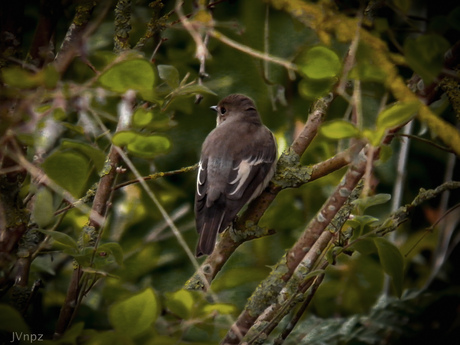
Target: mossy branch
x=403, y=213
x=122, y=25
x=266, y=296
x=92, y=231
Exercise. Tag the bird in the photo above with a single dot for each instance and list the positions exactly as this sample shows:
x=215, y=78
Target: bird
x=237, y=162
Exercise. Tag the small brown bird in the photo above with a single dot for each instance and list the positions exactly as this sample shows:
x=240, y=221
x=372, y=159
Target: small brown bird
x=237, y=162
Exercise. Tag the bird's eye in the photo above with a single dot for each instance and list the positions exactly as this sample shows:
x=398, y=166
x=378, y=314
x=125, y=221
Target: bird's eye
x=223, y=110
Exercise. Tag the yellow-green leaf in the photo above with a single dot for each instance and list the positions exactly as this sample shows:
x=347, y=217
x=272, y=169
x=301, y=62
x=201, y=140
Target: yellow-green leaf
x=18, y=77
x=319, y=63
x=339, y=129
x=62, y=238
x=169, y=74
x=142, y=117
x=397, y=114
x=136, y=314
x=43, y=207
x=181, y=302
x=123, y=138
x=312, y=89
x=149, y=146
x=392, y=262
x=69, y=170
x=137, y=74
x=113, y=249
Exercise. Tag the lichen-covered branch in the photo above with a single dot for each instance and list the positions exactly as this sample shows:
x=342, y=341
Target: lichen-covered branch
x=75, y=35
x=295, y=288
x=92, y=231
x=122, y=25
x=403, y=213
x=155, y=25
x=267, y=292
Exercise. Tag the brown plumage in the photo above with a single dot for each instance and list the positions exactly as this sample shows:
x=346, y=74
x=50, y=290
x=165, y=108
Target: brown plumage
x=237, y=162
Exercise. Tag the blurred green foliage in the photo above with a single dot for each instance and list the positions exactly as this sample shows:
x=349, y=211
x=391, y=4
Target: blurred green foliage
x=134, y=278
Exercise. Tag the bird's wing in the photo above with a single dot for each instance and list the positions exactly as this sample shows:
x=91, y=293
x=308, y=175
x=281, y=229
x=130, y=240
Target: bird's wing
x=226, y=183
x=248, y=174
x=210, y=208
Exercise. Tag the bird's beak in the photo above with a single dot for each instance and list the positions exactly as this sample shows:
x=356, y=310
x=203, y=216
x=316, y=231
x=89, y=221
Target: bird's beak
x=214, y=107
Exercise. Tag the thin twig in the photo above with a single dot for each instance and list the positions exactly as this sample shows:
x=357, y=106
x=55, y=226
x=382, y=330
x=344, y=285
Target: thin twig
x=158, y=175
x=253, y=52
x=201, y=50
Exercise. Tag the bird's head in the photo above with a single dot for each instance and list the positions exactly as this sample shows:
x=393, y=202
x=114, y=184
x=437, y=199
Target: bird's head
x=236, y=107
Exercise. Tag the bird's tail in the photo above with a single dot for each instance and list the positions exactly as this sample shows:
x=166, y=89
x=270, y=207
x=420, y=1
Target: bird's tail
x=208, y=235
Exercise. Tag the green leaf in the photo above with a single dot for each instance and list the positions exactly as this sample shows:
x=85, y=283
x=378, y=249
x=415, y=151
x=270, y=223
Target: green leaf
x=123, y=138
x=319, y=63
x=84, y=257
x=191, y=90
x=397, y=114
x=137, y=74
x=374, y=137
x=181, y=302
x=62, y=238
x=50, y=76
x=43, y=211
x=59, y=114
x=141, y=145
x=378, y=199
x=69, y=170
x=18, y=77
x=149, y=146
x=169, y=74
x=392, y=262
x=136, y=314
x=312, y=89
x=11, y=320
x=142, y=117
x=339, y=129
x=365, y=246
x=140, y=263
x=363, y=220
x=94, y=154
x=425, y=55
x=365, y=68
x=161, y=122
x=360, y=224
x=113, y=249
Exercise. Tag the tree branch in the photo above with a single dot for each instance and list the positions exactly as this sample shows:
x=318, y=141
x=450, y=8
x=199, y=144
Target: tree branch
x=78, y=31
x=91, y=232
x=268, y=291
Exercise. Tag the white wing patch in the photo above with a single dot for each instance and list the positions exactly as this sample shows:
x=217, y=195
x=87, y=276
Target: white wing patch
x=198, y=179
x=244, y=169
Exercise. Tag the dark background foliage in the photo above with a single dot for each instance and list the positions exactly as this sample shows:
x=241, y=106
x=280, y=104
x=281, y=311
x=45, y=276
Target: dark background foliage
x=72, y=72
